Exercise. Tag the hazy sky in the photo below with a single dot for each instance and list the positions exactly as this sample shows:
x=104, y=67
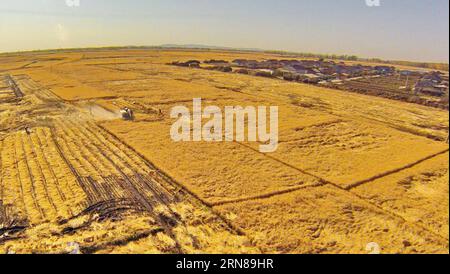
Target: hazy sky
x=398, y=29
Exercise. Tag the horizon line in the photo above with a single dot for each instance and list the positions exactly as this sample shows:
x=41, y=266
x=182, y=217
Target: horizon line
x=225, y=48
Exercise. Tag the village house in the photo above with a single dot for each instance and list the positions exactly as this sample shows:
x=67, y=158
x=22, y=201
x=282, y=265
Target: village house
x=264, y=72
x=385, y=69
x=431, y=89
x=190, y=64
x=216, y=62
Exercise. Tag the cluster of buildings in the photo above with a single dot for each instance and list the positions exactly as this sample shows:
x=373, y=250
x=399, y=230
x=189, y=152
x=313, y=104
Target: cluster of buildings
x=188, y=64
x=309, y=71
x=433, y=83
x=323, y=72
x=312, y=71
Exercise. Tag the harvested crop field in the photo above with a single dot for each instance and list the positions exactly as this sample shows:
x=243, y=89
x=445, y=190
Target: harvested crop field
x=350, y=169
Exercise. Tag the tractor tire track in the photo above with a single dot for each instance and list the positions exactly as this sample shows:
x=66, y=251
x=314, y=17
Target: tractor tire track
x=33, y=182
x=52, y=172
x=39, y=167
x=129, y=185
x=160, y=191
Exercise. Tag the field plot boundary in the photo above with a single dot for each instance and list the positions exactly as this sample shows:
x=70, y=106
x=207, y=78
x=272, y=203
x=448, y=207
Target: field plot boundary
x=405, y=129
x=265, y=196
x=381, y=209
x=387, y=173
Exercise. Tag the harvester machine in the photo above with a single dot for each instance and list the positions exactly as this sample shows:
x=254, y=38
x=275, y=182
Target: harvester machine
x=127, y=114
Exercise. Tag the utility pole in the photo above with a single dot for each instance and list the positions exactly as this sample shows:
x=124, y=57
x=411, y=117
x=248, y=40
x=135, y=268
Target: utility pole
x=414, y=88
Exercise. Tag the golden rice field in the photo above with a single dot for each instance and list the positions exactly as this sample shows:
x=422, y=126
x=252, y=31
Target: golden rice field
x=350, y=169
